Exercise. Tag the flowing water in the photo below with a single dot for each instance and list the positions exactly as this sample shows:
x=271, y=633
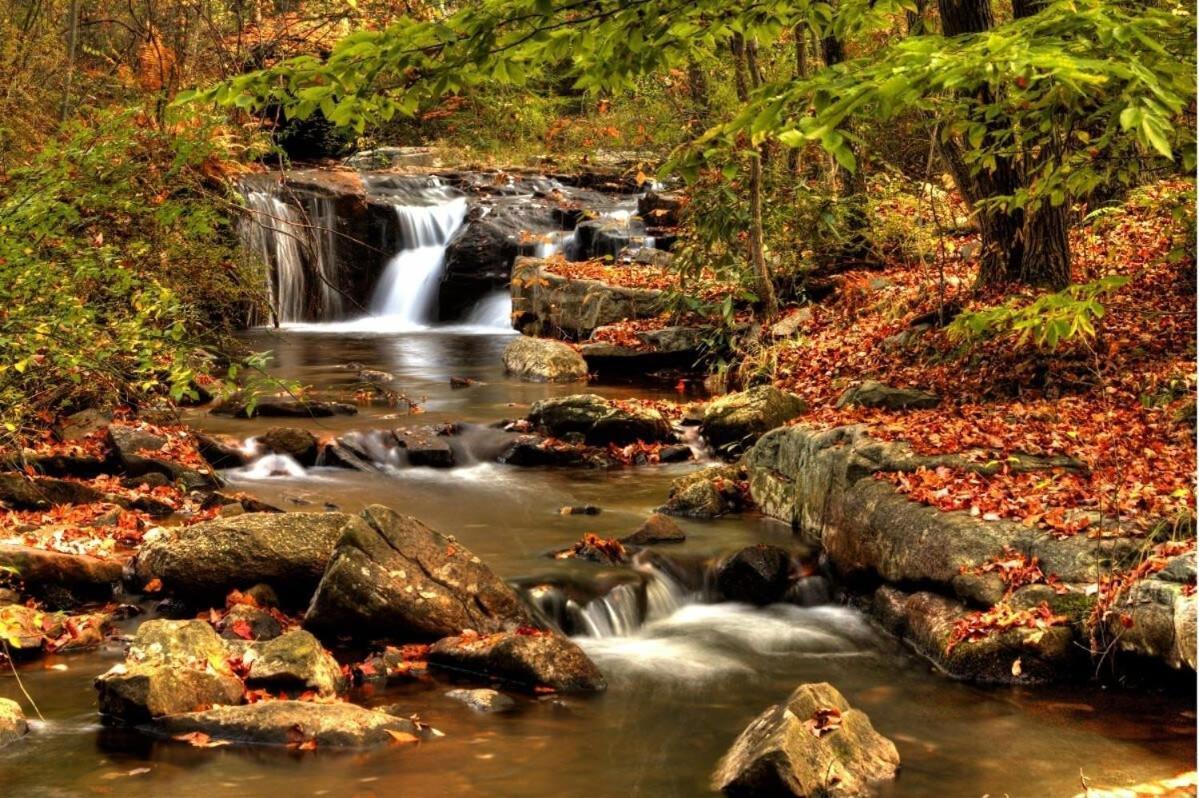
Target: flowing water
x=685, y=674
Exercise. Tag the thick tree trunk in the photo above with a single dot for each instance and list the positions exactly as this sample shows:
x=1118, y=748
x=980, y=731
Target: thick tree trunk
x=799, y=34
x=1017, y=246
x=757, y=254
x=701, y=100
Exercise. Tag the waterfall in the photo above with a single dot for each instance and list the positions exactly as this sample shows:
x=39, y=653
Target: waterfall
x=492, y=312
x=619, y=613
x=275, y=230
x=405, y=297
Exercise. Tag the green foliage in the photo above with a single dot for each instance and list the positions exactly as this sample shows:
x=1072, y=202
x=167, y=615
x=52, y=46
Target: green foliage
x=117, y=265
x=1050, y=322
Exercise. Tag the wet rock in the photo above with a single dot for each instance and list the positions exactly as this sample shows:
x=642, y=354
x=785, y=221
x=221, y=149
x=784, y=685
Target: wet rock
x=219, y=451
x=392, y=577
x=709, y=493
x=738, y=419
x=295, y=661
x=483, y=700
x=140, y=451
x=41, y=493
x=660, y=209
x=580, y=509
x=424, y=446
x=534, y=450
x=599, y=421
x=544, y=360
x=658, y=528
x=344, y=453
x=927, y=620
x=245, y=622
x=13, y=725
x=462, y=382
x=172, y=666
x=62, y=580
x=28, y=629
x=812, y=744
x=759, y=574
x=674, y=453
x=656, y=349
x=524, y=659
x=328, y=725
x=1155, y=618
x=288, y=551
x=595, y=549
x=299, y=444
x=283, y=407
x=544, y=303
x=876, y=394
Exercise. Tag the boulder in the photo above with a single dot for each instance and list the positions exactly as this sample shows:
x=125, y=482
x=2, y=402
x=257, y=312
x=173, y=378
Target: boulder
x=660, y=209
x=544, y=360
x=709, y=493
x=299, y=444
x=1155, y=618
x=219, y=451
x=595, y=549
x=545, y=303
x=293, y=723
x=13, y=725
x=758, y=574
x=392, y=577
x=27, y=629
x=140, y=451
x=425, y=446
x=658, y=528
x=41, y=493
x=812, y=744
x=526, y=659
x=287, y=551
x=876, y=394
x=246, y=622
x=1015, y=656
x=599, y=421
x=295, y=661
x=172, y=666
x=61, y=580
x=738, y=419
x=667, y=347
x=483, y=700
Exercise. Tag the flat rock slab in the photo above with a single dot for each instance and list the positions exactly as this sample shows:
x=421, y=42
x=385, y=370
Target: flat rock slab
x=287, y=551
x=483, y=700
x=329, y=725
x=41, y=493
x=393, y=578
x=59, y=577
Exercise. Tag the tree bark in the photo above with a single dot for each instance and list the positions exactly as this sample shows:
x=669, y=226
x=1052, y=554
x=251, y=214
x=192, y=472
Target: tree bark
x=757, y=253
x=1017, y=246
x=850, y=185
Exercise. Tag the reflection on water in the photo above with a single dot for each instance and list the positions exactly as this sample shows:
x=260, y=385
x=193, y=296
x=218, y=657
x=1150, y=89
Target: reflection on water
x=685, y=676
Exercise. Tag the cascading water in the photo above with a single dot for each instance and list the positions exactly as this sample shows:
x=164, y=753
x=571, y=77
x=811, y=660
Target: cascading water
x=406, y=294
x=275, y=230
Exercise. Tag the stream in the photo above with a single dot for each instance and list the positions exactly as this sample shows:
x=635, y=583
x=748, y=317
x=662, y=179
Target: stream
x=685, y=676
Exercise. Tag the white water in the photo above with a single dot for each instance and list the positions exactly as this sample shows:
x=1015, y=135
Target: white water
x=275, y=231
x=270, y=466
x=494, y=311
x=406, y=297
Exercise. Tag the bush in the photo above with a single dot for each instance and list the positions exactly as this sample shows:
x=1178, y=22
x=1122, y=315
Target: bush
x=119, y=270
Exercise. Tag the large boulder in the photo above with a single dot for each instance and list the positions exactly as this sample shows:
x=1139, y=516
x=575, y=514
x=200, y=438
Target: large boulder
x=758, y=574
x=140, y=451
x=544, y=360
x=392, y=577
x=876, y=394
x=425, y=446
x=599, y=421
x=812, y=744
x=545, y=303
x=287, y=551
x=172, y=666
x=295, y=661
x=1155, y=618
x=13, y=725
x=526, y=659
x=294, y=723
x=738, y=419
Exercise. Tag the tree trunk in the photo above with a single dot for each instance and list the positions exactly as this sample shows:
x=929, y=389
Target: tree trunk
x=701, y=100
x=72, y=46
x=850, y=185
x=757, y=254
x=799, y=34
x=1017, y=246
